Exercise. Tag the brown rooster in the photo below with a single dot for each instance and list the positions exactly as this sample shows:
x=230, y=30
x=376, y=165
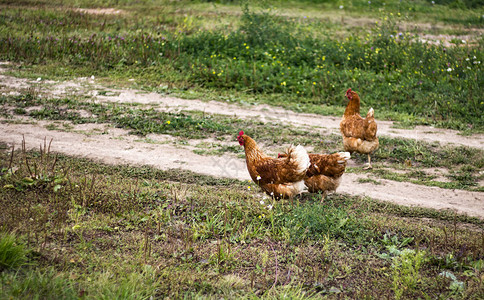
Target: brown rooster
x=359, y=134
x=325, y=171
x=278, y=177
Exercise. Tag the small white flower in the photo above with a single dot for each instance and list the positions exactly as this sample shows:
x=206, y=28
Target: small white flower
x=369, y=2
x=272, y=193
x=92, y=77
x=269, y=207
x=259, y=178
x=464, y=41
x=475, y=57
x=433, y=2
x=467, y=59
x=39, y=79
x=449, y=69
x=341, y=7
x=262, y=202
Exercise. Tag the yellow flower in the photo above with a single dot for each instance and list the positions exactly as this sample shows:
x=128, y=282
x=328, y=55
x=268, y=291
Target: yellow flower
x=168, y=122
x=248, y=187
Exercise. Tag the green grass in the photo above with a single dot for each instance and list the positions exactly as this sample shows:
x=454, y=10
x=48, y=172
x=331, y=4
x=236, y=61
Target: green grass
x=303, y=67
x=12, y=255
x=120, y=231
x=73, y=228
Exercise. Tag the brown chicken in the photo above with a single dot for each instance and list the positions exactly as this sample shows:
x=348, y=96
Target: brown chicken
x=325, y=171
x=278, y=177
x=359, y=135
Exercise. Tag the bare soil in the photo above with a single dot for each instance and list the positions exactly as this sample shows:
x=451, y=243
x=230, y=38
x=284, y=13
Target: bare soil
x=103, y=143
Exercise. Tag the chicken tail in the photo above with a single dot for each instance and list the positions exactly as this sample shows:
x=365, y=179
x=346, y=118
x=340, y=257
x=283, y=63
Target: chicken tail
x=371, y=113
x=344, y=156
x=300, y=156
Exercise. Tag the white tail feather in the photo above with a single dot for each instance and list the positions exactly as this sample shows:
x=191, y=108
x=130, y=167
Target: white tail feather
x=300, y=155
x=345, y=155
x=371, y=113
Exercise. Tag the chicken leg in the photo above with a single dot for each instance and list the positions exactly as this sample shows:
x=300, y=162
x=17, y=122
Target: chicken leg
x=369, y=163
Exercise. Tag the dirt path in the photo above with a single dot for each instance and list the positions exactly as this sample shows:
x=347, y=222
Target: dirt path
x=116, y=146
x=267, y=113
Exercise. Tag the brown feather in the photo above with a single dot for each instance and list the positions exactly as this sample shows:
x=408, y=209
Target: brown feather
x=324, y=173
x=278, y=177
x=359, y=134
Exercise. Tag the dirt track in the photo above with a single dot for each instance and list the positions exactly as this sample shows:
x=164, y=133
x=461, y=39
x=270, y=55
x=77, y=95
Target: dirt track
x=116, y=146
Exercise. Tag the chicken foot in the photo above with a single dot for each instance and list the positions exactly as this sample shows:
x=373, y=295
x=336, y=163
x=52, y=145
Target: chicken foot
x=369, y=163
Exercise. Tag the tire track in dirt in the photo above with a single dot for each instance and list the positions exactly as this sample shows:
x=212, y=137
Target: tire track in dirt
x=268, y=113
x=263, y=112
x=119, y=147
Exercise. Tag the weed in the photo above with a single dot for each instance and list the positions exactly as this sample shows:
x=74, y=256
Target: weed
x=406, y=266
x=12, y=254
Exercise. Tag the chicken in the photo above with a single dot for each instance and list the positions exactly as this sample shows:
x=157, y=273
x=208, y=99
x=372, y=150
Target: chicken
x=325, y=171
x=278, y=177
x=359, y=135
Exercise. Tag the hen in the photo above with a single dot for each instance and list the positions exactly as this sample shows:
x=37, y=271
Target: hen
x=325, y=171
x=278, y=177
x=359, y=134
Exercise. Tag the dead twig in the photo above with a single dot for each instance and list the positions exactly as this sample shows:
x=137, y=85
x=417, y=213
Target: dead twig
x=11, y=159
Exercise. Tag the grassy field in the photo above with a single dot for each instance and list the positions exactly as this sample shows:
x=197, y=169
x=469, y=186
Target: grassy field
x=303, y=60
x=72, y=228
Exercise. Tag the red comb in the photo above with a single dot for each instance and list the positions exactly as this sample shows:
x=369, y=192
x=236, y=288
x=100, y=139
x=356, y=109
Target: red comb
x=349, y=90
x=241, y=133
